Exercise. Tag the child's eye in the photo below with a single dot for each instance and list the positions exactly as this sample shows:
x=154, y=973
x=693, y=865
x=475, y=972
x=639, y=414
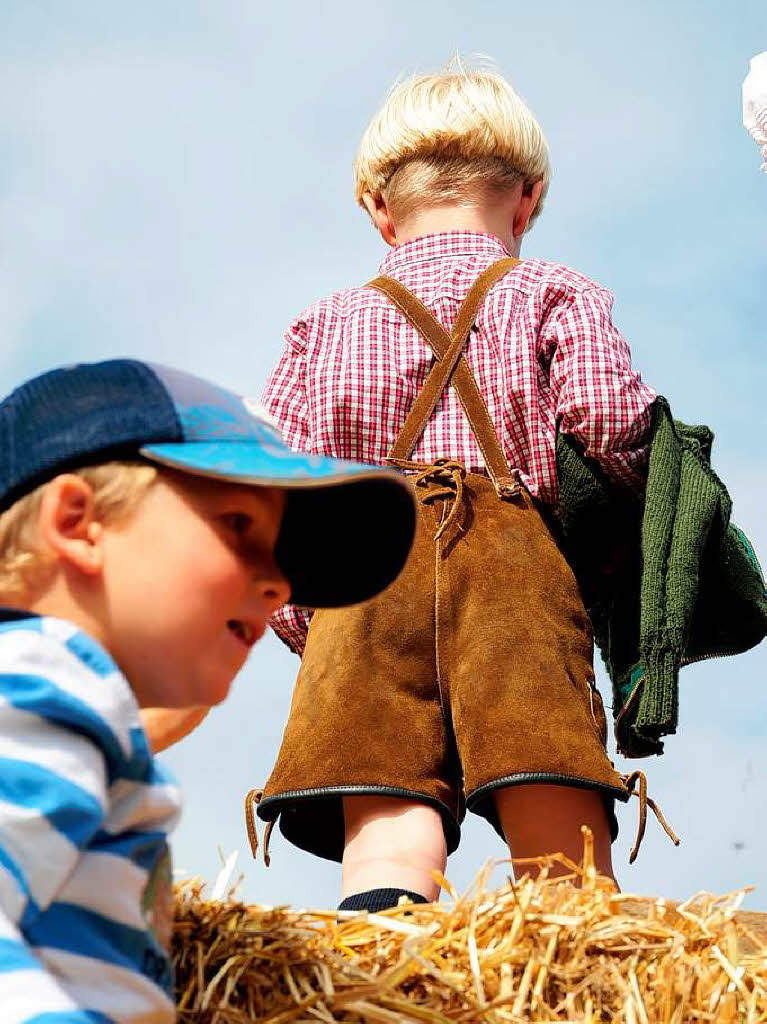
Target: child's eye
x=238, y=522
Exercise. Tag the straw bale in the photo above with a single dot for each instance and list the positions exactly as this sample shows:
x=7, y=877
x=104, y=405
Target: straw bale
x=538, y=950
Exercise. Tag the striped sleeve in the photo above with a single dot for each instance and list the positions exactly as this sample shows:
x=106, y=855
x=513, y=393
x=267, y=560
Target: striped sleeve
x=84, y=812
x=600, y=399
x=53, y=794
x=28, y=993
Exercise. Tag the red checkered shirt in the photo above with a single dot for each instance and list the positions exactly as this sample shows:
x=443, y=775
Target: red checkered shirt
x=543, y=350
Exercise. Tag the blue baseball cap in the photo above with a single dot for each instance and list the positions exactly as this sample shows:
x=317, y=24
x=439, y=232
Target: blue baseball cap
x=347, y=527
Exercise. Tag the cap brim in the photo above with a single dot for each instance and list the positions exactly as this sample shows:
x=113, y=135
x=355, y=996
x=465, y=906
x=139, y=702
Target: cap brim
x=347, y=527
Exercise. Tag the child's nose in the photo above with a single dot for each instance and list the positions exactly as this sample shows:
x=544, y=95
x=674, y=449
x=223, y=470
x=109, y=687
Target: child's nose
x=273, y=589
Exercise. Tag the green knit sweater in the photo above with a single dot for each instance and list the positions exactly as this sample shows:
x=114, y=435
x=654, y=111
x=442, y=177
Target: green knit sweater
x=667, y=579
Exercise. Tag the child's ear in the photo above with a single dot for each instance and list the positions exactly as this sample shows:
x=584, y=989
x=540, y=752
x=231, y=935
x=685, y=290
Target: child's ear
x=67, y=523
x=379, y=214
x=531, y=196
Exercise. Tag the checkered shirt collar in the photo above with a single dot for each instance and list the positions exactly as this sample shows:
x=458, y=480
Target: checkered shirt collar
x=438, y=246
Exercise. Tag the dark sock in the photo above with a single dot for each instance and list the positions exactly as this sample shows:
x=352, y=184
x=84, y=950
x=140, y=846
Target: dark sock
x=379, y=899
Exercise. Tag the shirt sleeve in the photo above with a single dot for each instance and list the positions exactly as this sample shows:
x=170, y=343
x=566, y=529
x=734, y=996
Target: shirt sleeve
x=600, y=399
x=284, y=396
x=291, y=625
x=285, y=399
x=28, y=992
x=52, y=800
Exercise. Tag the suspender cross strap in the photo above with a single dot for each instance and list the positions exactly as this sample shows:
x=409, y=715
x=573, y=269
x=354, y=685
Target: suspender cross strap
x=451, y=365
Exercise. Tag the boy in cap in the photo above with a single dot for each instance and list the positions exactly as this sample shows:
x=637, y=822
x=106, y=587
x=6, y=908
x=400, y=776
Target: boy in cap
x=469, y=684
x=150, y=523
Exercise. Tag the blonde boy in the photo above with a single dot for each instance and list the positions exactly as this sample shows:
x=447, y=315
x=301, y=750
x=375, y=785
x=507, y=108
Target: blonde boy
x=470, y=683
x=150, y=523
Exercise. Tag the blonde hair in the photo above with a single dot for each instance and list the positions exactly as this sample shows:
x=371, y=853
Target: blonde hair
x=117, y=488
x=455, y=136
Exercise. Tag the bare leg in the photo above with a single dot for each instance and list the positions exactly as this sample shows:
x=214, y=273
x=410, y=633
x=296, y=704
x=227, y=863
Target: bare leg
x=540, y=818
x=391, y=843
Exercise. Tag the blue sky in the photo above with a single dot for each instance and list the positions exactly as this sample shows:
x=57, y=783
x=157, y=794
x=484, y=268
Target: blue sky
x=175, y=184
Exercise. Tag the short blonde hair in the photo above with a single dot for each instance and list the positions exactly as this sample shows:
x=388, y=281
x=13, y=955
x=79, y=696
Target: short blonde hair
x=117, y=488
x=450, y=137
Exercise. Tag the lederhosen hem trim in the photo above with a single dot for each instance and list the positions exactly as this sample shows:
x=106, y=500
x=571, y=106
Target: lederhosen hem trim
x=304, y=835
x=479, y=800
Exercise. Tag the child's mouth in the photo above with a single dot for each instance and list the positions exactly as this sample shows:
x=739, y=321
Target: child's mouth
x=243, y=631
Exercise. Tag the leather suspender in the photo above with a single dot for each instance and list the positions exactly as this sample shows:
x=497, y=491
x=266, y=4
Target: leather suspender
x=451, y=364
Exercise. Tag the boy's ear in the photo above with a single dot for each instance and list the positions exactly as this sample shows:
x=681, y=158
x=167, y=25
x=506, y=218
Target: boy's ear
x=379, y=214
x=67, y=525
x=531, y=196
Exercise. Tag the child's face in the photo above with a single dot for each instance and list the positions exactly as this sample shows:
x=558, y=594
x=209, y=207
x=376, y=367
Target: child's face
x=189, y=581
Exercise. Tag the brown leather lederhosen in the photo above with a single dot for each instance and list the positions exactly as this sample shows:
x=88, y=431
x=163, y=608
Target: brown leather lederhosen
x=473, y=670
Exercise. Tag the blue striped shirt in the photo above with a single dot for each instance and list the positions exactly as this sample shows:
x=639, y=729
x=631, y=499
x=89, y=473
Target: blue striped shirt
x=85, y=894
